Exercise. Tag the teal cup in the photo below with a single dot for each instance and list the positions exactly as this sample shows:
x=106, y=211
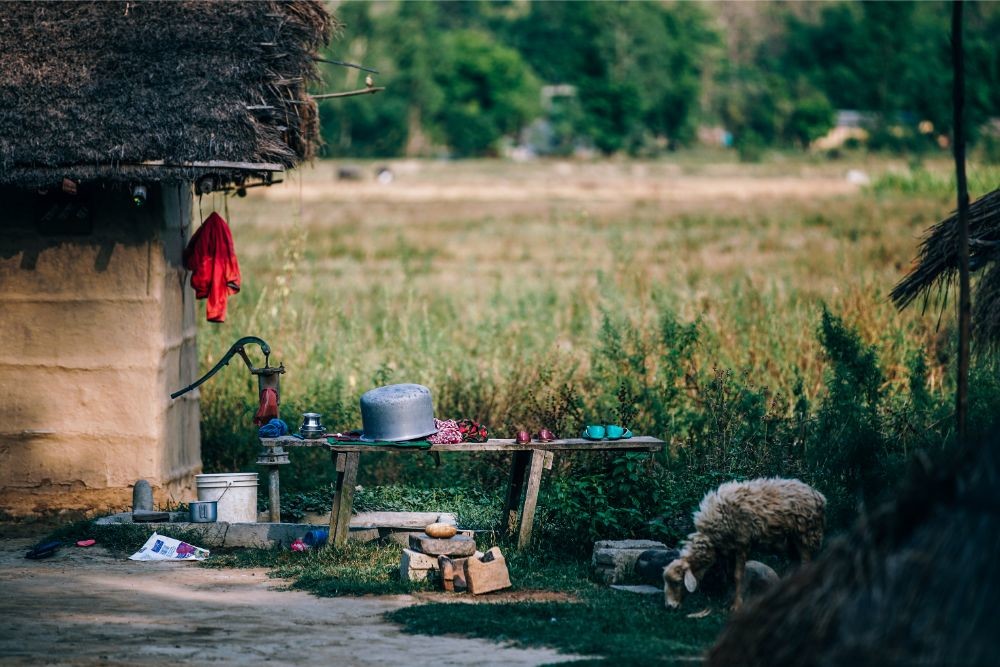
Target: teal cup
x=594, y=431
x=614, y=432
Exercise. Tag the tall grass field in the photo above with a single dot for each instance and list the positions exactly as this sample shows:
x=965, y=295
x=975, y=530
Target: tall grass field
x=739, y=312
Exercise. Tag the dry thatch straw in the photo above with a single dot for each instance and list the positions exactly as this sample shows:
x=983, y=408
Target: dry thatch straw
x=914, y=584
x=92, y=90
x=937, y=264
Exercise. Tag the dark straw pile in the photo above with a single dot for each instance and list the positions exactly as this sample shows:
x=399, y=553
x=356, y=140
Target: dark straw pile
x=914, y=584
x=937, y=265
x=91, y=90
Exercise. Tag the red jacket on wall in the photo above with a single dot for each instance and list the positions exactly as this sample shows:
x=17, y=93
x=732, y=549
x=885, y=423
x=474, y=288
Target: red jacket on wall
x=211, y=257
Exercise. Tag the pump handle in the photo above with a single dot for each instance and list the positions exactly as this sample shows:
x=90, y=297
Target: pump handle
x=237, y=348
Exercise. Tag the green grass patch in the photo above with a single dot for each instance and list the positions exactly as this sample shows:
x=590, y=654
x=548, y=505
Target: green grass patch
x=612, y=626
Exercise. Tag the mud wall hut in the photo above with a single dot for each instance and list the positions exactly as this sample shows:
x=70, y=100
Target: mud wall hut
x=113, y=115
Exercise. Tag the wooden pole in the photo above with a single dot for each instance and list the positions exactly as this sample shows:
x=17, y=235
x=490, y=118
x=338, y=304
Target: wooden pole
x=958, y=148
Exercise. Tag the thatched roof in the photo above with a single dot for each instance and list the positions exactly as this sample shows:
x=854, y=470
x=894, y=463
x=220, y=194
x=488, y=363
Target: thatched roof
x=99, y=90
x=937, y=264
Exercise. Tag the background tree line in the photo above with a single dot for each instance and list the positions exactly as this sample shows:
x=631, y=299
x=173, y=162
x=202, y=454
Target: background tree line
x=641, y=77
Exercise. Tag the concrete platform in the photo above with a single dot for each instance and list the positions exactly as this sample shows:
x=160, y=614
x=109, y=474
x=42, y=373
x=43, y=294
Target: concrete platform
x=364, y=527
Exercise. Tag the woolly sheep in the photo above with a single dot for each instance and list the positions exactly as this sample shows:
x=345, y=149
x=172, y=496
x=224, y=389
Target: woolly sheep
x=772, y=513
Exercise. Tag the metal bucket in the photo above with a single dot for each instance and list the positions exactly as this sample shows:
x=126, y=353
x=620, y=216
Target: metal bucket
x=203, y=511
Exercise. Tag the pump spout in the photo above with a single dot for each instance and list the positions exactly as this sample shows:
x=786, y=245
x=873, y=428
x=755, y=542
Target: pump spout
x=267, y=375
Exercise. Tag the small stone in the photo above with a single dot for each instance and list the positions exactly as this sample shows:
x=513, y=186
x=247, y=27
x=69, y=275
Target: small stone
x=415, y=566
x=757, y=578
x=460, y=545
x=142, y=496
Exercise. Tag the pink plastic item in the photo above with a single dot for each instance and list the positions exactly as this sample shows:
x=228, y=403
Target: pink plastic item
x=299, y=545
x=86, y=543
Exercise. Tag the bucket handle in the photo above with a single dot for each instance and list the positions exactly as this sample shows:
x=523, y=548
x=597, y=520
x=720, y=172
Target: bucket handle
x=223, y=492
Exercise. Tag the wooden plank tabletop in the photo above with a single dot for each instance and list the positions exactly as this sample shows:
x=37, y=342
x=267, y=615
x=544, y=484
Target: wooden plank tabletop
x=636, y=443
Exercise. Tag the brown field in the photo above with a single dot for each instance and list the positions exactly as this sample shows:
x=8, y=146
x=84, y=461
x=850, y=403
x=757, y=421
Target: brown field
x=501, y=262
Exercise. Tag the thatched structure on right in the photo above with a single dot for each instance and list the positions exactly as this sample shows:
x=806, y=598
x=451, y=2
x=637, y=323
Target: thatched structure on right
x=937, y=265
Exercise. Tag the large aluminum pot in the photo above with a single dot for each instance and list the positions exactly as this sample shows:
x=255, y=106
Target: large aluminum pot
x=397, y=412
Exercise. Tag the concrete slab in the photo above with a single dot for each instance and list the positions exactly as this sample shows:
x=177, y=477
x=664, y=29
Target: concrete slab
x=363, y=528
x=641, y=590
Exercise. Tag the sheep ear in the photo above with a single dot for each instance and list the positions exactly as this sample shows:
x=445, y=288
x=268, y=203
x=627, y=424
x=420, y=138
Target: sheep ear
x=690, y=583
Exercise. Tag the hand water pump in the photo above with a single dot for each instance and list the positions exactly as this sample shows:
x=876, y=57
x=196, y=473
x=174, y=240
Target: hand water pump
x=268, y=378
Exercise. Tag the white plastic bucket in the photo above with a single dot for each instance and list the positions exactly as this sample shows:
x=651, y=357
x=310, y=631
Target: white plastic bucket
x=236, y=493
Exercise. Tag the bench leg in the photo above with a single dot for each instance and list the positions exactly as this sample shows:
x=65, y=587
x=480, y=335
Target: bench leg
x=511, y=506
x=343, y=496
x=538, y=460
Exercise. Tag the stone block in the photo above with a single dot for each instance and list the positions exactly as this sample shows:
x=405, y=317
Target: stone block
x=649, y=566
x=487, y=574
x=644, y=589
x=363, y=534
x=460, y=545
x=453, y=572
x=142, y=496
x=757, y=578
x=261, y=535
x=642, y=545
x=415, y=566
x=402, y=537
x=614, y=560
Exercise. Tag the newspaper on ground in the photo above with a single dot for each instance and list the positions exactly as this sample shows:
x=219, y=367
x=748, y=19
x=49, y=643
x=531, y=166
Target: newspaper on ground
x=161, y=547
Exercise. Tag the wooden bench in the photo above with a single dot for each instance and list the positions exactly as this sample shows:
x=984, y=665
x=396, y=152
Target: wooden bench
x=528, y=462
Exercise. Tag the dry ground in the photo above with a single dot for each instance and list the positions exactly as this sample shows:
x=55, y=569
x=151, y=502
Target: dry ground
x=86, y=607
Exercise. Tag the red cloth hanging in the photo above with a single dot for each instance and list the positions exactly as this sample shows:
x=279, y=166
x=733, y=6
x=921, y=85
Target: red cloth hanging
x=268, y=409
x=215, y=273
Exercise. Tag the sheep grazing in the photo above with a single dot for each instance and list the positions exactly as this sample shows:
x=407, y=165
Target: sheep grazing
x=915, y=583
x=738, y=516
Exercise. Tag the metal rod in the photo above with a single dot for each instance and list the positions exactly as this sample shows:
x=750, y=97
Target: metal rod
x=345, y=64
x=350, y=93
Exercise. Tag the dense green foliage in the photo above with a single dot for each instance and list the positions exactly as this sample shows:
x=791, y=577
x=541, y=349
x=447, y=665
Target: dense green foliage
x=643, y=75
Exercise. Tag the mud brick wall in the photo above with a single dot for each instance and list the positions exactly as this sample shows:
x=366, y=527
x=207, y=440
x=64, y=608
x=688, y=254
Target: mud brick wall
x=96, y=329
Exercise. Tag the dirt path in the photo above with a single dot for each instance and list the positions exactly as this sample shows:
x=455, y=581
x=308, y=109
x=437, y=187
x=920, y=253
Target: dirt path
x=85, y=607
